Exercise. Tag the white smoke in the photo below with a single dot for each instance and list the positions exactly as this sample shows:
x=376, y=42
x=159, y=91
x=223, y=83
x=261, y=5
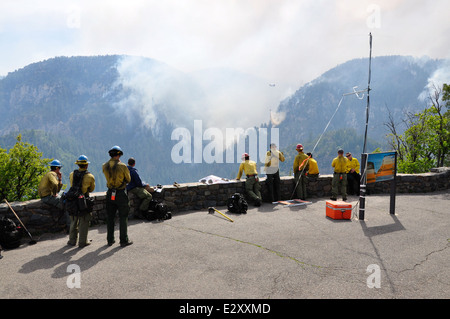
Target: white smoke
x=276, y=118
x=221, y=98
x=440, y=77
x=153, y=89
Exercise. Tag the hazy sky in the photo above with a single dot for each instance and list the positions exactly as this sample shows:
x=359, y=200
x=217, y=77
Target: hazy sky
x=290, y=41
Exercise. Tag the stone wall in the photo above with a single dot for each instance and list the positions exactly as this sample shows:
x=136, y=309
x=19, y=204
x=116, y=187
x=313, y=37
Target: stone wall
x=39, y=217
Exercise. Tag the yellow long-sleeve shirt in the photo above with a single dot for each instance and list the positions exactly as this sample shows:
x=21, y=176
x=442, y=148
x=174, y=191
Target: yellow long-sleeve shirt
x=299, y=160
x=313, y=167
x=340, y=164
x=49, y=185
x=87, y=184
x=272, y=161
x=249, y=167
x=116, y=173
x=353, y=164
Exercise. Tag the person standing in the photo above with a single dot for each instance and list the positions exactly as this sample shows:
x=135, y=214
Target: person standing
x=339, y=182
x=138, y=188
x=301, y=166
x=272, y=169
x=353, y=177
x=252, y=186
x=117, y=177
x=80, y=218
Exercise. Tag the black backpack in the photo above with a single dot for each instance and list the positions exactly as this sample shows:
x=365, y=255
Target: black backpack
x=10, y=233
x=76, y=203
x=75, y=190
x=158, y=211
x=237, y=204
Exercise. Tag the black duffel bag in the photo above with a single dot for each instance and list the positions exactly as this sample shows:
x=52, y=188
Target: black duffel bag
x=10, y=233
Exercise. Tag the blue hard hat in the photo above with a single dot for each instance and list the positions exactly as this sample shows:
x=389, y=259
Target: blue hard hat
x=82, y=160
x=56, y=163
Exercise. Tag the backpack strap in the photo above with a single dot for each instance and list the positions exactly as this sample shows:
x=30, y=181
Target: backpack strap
x=78, y=178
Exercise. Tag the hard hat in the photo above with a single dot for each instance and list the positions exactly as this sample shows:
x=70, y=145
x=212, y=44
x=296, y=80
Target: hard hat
x=299, y=147
x=245, y=155
x=56, y=163
x=82, y=160
x=115, y=150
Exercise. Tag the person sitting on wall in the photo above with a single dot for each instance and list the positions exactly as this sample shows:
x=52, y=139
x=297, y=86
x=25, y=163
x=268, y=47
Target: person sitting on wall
x=137, y=187
x=51, y=184
x=252, y=186
x=313, y=170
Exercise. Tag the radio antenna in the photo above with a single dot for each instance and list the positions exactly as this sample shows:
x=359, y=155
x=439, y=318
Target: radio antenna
x=364, y=156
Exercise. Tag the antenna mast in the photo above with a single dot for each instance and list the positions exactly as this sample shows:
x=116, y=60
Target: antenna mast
x=362, y=195
x=368, y=93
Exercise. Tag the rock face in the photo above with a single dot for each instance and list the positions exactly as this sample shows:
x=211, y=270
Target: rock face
x=39, y=217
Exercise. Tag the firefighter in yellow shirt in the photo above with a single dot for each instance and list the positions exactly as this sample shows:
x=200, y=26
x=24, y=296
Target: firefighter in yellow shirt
x=117, y=177
x=272, y=169
x=313, y=171
x=51, y=184
x=252, y=186
x=80, y=219
x=339, y=182
x=301, y=166
x=353, y=177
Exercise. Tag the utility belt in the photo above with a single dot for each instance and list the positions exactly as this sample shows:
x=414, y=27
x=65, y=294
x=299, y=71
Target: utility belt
x=113, y=192
x=341, y=175
x=249, y=177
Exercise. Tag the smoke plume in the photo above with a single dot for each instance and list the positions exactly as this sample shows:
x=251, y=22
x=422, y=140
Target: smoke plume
x=220, y=98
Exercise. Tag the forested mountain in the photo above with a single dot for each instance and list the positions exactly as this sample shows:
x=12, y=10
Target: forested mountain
x=68, y=106
x=397, y=82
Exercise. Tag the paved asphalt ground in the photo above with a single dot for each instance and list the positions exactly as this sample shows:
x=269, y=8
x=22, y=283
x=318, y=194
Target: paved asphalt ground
x=272, y=252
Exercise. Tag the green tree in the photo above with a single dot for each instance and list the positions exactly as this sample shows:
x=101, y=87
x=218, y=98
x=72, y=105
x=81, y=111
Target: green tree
x=426, y=141
x=20, y=171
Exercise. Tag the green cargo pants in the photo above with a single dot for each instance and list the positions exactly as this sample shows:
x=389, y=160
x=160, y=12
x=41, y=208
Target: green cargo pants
x=301, y=185
x=79, y=225
x=57, y=202
x=122, y=205
x=253, y=188
x=144, y=195
x=339, y=184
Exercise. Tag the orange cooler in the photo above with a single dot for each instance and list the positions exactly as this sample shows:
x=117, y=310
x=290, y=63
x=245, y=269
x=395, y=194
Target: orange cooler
x=338, y=210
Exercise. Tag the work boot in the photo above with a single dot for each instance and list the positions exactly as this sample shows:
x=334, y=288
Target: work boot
x=83, y=245
x=128, y=243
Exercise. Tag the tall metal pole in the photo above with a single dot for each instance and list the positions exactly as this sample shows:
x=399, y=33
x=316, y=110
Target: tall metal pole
x=363, y=183
x=368, y=93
